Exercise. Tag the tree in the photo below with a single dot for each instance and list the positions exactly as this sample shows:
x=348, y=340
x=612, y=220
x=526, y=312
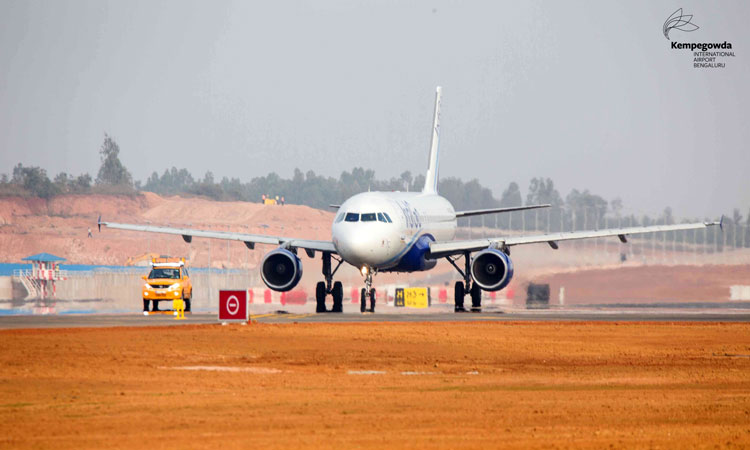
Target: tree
x=512, y=197
x=112, y=172
x=542, y=191
x=616, y=206
x=34, y=180
x=588, y=209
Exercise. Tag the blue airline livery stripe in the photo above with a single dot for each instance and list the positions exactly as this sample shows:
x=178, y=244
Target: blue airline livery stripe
x=406, y=249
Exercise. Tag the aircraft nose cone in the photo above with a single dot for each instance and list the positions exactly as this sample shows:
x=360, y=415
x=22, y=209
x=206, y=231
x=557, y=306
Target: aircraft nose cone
x=360, y=247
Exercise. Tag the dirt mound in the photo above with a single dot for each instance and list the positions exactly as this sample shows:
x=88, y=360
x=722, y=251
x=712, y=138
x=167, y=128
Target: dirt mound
x=60, y=226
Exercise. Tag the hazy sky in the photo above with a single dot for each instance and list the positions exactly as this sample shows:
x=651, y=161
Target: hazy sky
x=586, y=93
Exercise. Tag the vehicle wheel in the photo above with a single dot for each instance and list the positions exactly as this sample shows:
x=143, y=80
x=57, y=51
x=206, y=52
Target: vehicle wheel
x=372, y=300
x=476, y=298
x=362, y=301
x=320, y=297
x=156, y=305
x=338, y=297
x=186, y=302
x=459, y=298
x=145, y=305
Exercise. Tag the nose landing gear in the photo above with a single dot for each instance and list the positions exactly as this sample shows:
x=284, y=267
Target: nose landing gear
x=326, y=287
x=367, y=291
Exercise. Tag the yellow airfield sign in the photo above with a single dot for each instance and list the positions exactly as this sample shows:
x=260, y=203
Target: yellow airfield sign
x=416, y=298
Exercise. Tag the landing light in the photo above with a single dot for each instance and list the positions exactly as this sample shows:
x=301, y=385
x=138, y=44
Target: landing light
x=364, y=271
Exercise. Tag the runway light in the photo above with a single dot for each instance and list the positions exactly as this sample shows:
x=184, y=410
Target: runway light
x=364, y=271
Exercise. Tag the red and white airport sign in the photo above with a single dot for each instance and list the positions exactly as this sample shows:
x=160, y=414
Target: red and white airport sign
x=233, y=306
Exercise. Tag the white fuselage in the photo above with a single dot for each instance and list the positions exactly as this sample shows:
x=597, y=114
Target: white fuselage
x=376, y=229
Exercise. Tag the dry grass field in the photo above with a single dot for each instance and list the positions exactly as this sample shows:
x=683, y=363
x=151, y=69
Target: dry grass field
x=378, y=385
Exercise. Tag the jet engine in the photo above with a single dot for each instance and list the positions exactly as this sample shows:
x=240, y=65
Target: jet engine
x=281, y=270
x=491, y=269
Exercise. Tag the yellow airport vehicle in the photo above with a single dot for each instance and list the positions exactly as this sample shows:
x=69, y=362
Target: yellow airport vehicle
x=168, y=280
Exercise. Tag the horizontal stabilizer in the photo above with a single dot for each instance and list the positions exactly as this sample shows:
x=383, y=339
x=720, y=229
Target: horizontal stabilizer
x=479, y=212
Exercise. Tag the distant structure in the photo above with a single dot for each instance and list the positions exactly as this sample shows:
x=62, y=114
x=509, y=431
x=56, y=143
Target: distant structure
x=269, y=200
x=143, y=260
x=39, y=281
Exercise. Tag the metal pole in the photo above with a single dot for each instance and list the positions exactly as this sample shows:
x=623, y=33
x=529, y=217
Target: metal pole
x=209, y=273
x=606, y=243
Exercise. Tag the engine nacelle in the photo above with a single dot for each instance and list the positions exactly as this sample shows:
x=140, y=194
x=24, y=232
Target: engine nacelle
x=281, y=270
x=491, y=269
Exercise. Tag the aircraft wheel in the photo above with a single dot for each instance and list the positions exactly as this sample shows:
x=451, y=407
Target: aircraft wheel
x=320, y=297
x=372, y=300
x=459, y=298
x=362, y=301
x=476, y=298
x=338, y=297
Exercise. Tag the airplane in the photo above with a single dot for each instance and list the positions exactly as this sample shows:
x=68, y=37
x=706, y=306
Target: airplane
x=400, y=232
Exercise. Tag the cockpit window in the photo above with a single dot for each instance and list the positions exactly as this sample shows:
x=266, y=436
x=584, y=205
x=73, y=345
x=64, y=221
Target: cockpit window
x=340, y=217
x=381, y=218
x=352, y=217
x=387, y=217
x=369, y=217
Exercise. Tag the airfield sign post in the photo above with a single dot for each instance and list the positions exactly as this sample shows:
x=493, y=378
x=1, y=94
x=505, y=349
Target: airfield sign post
x=233, y=306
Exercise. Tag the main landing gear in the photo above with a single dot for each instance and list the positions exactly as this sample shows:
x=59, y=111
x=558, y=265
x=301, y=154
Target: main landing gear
x=326, y=287
x=367, y=291
x=468, y=286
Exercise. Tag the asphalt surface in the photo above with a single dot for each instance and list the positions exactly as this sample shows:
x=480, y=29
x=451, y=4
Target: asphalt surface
x=587, y=315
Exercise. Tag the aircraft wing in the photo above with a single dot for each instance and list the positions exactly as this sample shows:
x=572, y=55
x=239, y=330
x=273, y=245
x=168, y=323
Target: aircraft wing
x=442, y=249
x=478, y=212
x=249, y=239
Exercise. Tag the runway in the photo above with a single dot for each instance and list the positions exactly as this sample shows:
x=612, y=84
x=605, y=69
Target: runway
x=568, y=315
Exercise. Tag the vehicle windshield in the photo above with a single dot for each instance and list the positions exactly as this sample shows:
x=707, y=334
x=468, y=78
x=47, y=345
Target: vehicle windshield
x=170, y=273
x=352, y=217
x=369, y=217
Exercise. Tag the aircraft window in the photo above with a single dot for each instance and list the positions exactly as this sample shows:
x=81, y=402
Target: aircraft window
x=340, y=217
x=387, y=217
x=381, y=218
x=352, y=217
x=369, y=217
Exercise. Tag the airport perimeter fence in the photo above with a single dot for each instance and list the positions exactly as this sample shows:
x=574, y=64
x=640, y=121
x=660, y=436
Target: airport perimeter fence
x=122, y=290
x=710, y=245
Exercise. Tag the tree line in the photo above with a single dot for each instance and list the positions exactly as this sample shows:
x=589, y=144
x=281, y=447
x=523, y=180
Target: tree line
x=576, y=211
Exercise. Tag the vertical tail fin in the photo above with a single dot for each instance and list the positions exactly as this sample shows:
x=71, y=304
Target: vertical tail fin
x=431, y=177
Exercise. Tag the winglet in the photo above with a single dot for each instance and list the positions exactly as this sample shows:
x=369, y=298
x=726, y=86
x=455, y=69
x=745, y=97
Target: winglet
x=99, y=223
x=720, y=223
